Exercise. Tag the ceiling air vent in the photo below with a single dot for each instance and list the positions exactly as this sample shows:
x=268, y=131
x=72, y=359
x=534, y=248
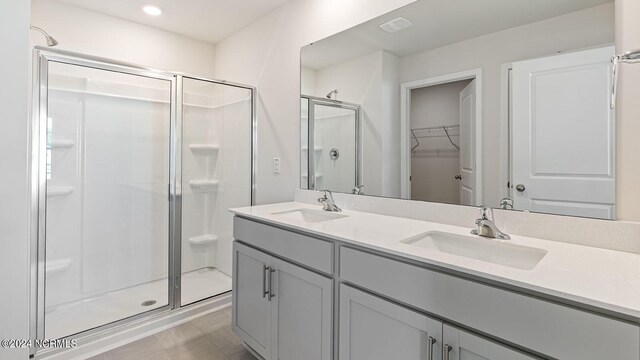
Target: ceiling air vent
x=396, y=25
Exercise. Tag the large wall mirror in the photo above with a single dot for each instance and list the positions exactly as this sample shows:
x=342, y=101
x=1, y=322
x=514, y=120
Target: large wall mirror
x=504, y=103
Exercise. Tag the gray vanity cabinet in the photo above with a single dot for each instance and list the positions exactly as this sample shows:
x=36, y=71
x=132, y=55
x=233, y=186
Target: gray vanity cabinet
x=281, y=310
x=463, y=345
x=251, y=306
x=301, y=312
x=389, y=307
x=375, y=329
x=372, y=328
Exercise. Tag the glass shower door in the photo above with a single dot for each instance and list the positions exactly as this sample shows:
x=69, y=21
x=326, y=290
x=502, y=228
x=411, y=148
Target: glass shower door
x=107, y=183
x=216, y=176
x=333, y=146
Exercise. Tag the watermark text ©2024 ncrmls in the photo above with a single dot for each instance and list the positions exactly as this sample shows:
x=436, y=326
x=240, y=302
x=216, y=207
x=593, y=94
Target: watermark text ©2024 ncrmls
x=39, y=343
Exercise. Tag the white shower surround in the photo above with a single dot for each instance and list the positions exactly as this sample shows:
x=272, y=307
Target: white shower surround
x=108, y=231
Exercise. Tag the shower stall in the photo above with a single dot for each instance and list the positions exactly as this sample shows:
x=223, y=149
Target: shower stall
x=134, y=170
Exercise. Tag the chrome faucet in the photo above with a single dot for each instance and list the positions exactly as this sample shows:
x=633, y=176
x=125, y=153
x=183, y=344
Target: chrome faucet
x=328, y=204
x=506, y=203
x=358, y=190
x=486, y=226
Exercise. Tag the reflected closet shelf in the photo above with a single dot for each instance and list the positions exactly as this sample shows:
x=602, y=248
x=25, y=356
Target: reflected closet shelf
x=204, y=149
x=206, y=239
x=204, y=186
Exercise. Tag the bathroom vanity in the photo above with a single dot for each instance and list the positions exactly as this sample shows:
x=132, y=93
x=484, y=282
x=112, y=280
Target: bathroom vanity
x=351, y=285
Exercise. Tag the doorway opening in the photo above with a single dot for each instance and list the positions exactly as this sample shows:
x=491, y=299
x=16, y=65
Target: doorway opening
x=441, y=139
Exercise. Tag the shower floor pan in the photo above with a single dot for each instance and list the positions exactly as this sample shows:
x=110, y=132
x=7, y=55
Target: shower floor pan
x=75, y=317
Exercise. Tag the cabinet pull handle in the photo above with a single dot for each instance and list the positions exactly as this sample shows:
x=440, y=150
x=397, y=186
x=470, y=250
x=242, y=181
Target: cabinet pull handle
x=445, y=352
x=432, y=341
x=271, y=294
x=265, y=292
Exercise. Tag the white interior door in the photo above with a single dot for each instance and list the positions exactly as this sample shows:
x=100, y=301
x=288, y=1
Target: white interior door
x=564, y=134
x=468, y=166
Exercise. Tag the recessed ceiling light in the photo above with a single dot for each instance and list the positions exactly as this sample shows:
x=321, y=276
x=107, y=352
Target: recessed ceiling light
x=396, y=25
x=152, y=10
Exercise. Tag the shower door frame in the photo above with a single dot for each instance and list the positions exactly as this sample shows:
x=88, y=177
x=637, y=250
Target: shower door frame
x=41, y=58
x=311, y=122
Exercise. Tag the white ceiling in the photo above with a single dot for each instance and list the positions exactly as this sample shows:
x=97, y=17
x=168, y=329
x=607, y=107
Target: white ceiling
x=207, y=20
x=436, y=23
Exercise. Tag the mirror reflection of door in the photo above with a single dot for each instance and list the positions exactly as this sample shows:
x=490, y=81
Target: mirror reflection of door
x=564, y=134
x=443, y=163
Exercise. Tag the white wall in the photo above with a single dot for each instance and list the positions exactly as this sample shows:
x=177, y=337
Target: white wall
x=581, y=29
x=435, y=162
x=390, y=125
x=92, y=33
x=266, y=54
x=308, y=81
x=14, y=170
x=628, y=113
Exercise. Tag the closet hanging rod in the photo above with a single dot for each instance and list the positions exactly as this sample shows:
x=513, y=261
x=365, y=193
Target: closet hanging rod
x=433, y=136
x=445, y=128
x=439, y=127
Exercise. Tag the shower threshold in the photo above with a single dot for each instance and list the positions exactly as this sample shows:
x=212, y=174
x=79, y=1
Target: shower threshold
x=75, y=317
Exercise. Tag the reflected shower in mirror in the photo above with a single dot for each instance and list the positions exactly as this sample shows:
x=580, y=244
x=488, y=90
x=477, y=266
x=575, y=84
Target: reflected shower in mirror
x=331, y=128
x=504, y=103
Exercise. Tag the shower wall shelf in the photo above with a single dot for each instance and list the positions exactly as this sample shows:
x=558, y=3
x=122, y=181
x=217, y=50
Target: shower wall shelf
x=59, y=190
x=62, y=144
x=205, y=149
x=318, y=176
x=207, y=239
x=204, y=186
x=57, y=266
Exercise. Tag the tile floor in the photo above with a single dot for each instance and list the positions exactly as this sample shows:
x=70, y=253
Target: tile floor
x=206, y=338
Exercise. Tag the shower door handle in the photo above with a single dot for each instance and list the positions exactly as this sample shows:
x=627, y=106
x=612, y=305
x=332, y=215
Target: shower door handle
x=265, y=270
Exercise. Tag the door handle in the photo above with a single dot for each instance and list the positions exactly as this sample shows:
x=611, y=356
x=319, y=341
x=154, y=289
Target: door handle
x=265, y=292
x=271, y=294
x=520, y=187
x=445, y=352
x=432, y=341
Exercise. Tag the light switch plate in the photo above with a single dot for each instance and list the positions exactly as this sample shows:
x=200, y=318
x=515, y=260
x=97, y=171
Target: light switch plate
x=276, y=165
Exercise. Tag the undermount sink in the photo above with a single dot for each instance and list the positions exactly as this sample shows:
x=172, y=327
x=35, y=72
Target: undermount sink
x=478, y=248
x=309, y=215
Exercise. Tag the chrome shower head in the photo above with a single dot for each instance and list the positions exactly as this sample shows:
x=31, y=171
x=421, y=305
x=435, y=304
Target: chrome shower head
x=630, y=56
x=331, y=93
x=50, y=40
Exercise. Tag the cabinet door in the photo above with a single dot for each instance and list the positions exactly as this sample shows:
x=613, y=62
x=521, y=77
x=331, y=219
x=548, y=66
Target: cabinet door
x=301, y=313
x=372, y=328
x=467, y=346
x=251, y=306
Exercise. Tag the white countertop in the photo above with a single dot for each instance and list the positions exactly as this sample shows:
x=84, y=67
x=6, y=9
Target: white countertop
x=606, y=279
